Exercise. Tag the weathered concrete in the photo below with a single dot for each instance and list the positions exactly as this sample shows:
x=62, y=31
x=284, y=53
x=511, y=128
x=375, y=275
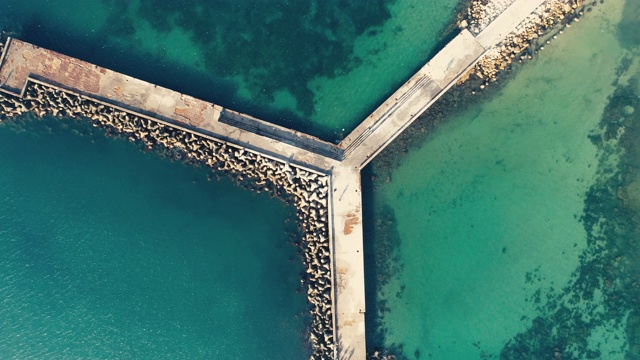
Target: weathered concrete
x=22, y=61
x=428, y=85
x=347, y=237
x=411, y=100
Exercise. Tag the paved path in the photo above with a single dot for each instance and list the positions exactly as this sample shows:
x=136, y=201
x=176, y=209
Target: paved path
x=428, y=85
x=347, y=236
x=23, y=61
x=411, y=100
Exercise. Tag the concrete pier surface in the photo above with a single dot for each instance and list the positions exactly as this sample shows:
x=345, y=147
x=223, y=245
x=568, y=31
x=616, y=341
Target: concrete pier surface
x=23, y=63
x=411, y=100
x=507, y=21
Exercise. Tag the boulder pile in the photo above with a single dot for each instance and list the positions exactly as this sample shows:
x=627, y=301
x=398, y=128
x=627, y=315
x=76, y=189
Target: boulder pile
x=529, y=36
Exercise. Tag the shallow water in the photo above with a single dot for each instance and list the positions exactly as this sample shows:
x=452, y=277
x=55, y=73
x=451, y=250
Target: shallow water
x=496, y=252
x=318, y=66
x=108, y=252
x=112, y=253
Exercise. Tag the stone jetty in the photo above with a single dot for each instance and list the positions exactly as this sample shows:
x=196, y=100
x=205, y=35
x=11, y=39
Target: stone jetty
x=320, y=179
x=527, y=36
x=306, y=189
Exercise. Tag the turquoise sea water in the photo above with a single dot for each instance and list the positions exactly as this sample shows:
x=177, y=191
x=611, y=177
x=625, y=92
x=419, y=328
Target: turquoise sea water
x=107, y=252
x=317, y=66
x=515, y=223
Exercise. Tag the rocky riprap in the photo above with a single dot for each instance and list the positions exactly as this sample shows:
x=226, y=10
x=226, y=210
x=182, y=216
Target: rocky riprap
x=530, y=36
x=307, y=190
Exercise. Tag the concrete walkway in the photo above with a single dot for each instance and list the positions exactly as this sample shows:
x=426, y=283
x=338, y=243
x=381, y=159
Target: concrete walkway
x=22, y=61
x=347, y=236
x=428, y=85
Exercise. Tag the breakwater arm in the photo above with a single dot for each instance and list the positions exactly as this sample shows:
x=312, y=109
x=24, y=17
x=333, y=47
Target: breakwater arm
x=426, y=86
x=416, y=95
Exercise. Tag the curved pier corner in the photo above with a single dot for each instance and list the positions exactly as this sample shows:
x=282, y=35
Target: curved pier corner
x=320, y=178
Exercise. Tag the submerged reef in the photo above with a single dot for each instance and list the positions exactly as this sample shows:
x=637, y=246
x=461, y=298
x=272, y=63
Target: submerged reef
x=305, y=189
x=605, y=290
x=381, y=261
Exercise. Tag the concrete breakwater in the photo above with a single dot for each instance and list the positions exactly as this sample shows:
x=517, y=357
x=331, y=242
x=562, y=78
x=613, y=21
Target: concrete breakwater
x=306, y=189
x=322, y=180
